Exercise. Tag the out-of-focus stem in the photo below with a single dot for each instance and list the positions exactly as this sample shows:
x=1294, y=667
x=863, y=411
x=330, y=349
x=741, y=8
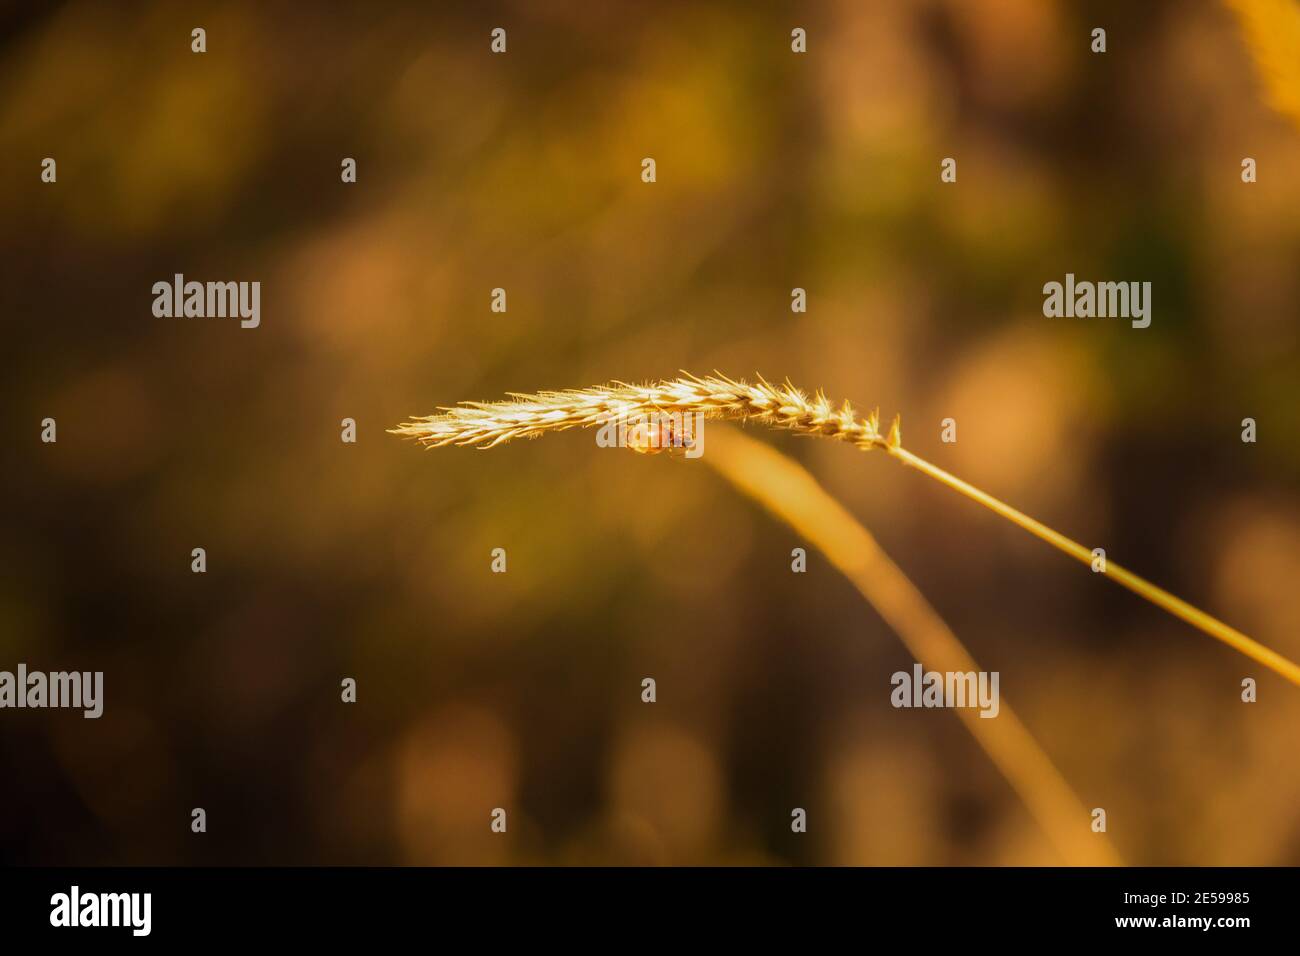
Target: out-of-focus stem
x=787, y=490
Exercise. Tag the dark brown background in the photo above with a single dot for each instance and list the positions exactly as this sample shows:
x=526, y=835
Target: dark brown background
x=522, y=171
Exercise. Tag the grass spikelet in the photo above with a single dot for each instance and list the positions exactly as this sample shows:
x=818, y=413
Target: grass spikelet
x=488, y=424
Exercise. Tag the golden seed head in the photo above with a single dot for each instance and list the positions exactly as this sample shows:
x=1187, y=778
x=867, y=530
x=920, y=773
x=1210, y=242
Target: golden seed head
x=525, y=415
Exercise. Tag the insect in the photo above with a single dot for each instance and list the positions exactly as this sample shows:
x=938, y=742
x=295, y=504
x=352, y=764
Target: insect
x=659, y=433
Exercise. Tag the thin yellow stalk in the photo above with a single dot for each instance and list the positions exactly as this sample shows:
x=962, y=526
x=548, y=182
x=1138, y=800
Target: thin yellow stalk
x=487, y=424
x=1138, y=585
x=787, y=490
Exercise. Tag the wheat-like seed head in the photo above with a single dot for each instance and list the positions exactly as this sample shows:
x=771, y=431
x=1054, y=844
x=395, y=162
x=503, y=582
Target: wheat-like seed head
x=487, y=424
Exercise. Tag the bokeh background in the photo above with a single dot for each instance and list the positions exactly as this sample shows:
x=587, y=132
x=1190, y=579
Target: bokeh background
x=522, y=171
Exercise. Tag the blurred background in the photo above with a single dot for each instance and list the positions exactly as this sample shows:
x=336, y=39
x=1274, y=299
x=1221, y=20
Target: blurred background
x=522, y=171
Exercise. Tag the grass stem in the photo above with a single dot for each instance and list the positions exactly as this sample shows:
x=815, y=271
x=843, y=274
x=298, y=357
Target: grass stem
x=1138, y=585
x=786, y=489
